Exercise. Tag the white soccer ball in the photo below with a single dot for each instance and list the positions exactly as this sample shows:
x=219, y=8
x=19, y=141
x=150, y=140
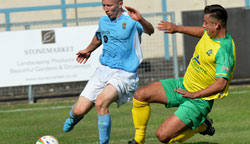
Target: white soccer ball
x=47, y=140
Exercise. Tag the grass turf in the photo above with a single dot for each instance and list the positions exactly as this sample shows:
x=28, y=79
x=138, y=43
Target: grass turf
x=24, y=123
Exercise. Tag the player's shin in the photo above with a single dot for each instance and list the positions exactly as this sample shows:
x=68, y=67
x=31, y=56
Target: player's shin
x=187, y=134
x=141, y=113
x=104, y=126
x=71, y=121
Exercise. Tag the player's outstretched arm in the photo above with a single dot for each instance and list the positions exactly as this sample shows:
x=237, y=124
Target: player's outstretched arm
x=83, y=55
x=171, y=28
x=218, y=86
x=135, y=14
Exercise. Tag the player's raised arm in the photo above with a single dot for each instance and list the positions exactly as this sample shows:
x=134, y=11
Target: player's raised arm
x=83, y=55
x=169, y=27
x=135, y=14
x=218, y=86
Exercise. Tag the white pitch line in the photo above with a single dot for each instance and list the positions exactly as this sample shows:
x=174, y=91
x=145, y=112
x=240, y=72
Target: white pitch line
x=62, y=107
x=33, y=109
x=239, y=92
x=126, y=140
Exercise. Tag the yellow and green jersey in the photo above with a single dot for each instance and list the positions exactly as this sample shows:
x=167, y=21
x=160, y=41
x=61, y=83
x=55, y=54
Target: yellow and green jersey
x=212, y=58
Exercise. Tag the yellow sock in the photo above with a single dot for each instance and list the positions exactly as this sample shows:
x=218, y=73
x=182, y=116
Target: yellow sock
x=141, y=113
x=188, y=134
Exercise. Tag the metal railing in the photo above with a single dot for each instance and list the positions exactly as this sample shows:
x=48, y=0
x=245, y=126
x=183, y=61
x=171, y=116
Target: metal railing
x=164, y=44
x=63, y=6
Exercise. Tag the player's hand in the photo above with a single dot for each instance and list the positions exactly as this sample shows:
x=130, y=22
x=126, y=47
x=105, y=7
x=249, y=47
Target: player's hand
x=83, y=56
x=167, y=27
x=133, y=13
x=185, y=93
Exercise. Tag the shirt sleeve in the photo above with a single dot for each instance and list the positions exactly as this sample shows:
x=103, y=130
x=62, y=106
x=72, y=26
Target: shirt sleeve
x=98, y=32
x=223, y=67
x=98, y=35
x=139, y=28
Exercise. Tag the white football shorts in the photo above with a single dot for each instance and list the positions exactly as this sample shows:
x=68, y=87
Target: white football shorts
x=125, y=82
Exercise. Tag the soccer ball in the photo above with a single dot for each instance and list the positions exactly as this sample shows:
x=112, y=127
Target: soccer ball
x=47, y=140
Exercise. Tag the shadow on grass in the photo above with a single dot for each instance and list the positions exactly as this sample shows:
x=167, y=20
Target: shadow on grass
x=202, y=143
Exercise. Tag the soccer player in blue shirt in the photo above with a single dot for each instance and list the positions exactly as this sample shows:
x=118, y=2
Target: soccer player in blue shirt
x=115, y=80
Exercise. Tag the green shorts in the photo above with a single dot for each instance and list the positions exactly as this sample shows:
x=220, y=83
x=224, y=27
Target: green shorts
x=192, y=112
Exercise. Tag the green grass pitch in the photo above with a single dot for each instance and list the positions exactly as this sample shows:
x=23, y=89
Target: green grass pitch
x=24, y=123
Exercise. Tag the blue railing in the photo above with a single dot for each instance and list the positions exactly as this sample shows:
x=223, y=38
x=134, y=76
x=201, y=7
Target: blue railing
x=63, y=6
x=164, y=10
x=247, y=3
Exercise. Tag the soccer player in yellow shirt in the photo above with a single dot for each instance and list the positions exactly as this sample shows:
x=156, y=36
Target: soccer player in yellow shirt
x=207, y=78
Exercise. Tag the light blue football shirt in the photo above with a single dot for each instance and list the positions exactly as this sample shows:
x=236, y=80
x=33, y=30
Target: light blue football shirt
x=121, y=42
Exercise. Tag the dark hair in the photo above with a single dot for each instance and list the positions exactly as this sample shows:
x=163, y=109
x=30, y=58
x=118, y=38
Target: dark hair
x=217, y=12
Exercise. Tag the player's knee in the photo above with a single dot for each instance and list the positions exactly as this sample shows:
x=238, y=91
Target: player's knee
x=139, y=95
x=100, y=107
x=78, y=111
x=162, y=137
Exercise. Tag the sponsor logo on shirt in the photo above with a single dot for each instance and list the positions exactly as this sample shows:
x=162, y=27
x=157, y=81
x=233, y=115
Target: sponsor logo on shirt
x=105, y=38
x=197, y=59
x=196, y=64
x=226, y=69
